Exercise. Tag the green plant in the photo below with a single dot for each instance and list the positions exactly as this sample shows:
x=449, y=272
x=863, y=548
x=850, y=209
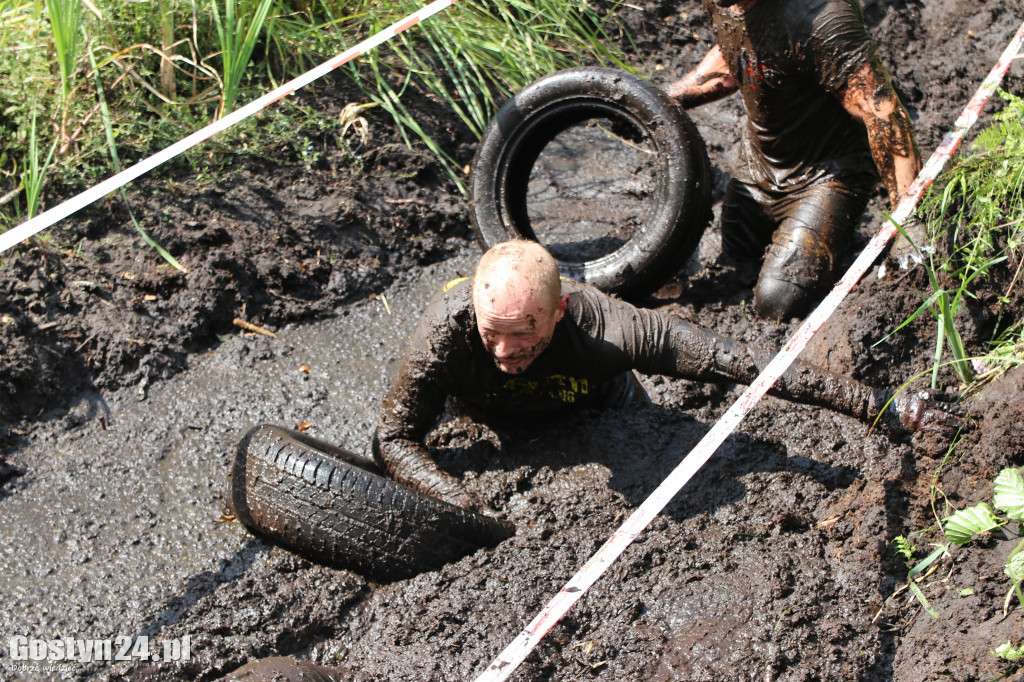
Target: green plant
x=66, y=24
x=917, y=569
x=977, y=210
x=115, y=160
x=1008, y=652
x=35, y=173
x=237, y=34
x=475, y=56
x=961, y=526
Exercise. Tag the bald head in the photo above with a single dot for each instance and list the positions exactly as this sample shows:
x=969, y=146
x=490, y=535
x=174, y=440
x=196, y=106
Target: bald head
x=518, y=268
x=517, y=299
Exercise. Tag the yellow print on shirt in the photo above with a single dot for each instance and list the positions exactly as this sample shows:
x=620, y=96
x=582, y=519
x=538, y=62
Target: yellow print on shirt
x=557, y=386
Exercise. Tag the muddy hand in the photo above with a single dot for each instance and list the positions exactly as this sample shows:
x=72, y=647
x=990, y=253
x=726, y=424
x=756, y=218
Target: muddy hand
x=909, y=252
x=459, y=496
x=921, y=409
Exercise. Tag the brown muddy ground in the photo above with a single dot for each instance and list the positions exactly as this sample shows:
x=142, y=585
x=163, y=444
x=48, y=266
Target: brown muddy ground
x=124, y=383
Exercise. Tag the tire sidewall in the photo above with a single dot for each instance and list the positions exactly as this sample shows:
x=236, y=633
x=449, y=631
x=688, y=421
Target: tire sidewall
x=538, y=113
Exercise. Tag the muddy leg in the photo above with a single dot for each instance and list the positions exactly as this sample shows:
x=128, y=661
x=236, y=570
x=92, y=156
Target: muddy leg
x=800, y=264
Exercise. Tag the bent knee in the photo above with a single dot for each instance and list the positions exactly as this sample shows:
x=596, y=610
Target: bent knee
x=777, y=299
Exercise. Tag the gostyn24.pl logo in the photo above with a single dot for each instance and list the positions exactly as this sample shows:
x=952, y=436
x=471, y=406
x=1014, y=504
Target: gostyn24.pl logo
x=121, y=648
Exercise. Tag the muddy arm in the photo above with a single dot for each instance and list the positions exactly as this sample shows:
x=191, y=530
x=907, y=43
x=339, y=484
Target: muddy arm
x=870, y=98
x=409, y=411
x=412, y=406
x=654, y=343
x=700, y=354
x=709, y=82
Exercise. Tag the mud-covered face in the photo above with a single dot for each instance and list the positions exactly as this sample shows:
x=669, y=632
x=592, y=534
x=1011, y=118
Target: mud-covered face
x=515, y=333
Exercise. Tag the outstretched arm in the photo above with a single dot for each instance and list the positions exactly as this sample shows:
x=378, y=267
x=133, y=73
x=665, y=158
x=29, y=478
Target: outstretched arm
x=709, y=82
x=702, y=354
x=870, y=98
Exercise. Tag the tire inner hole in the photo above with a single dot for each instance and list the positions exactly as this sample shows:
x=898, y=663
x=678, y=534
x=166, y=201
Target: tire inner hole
x=592, y=187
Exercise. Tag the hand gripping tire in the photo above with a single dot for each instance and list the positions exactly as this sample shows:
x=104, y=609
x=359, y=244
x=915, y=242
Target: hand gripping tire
x=335, y=507
x=534, y=117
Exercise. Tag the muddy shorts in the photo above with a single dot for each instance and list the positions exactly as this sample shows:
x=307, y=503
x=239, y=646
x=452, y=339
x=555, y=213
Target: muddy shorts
x=800, y=234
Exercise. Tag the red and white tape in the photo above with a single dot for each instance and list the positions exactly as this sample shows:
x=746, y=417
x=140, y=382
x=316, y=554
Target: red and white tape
x=21, y=232
x=516, y=652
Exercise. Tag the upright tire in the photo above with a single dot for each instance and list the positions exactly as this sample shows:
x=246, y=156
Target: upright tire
x=335, y=507
x=534, y=117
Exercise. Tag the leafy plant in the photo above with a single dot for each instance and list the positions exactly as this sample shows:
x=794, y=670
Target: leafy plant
x=917, y=570
x=963, y=525
x=977, y=208
x=1008, y=652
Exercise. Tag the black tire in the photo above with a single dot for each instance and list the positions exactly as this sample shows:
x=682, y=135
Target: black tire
x=335, y=507
x=534, y=117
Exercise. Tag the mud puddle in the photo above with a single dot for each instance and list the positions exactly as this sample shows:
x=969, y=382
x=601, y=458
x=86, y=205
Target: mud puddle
x=127, y=539
x=115, y=530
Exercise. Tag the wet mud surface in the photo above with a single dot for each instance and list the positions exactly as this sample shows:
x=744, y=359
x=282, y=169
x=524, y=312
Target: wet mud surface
x=124, y=386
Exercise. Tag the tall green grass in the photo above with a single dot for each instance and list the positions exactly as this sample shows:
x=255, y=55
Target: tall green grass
x=975, y=217
x=169, y=67
x=238, y=33
x=476, y=55
x=66, y=27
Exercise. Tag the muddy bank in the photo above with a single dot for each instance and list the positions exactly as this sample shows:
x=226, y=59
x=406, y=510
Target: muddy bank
x=125, y=385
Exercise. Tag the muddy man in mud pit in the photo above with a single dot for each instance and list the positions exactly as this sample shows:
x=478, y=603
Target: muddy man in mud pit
x=822, y=122
x=516, y=342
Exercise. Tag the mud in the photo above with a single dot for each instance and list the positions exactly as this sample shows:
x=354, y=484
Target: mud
x=124, y=386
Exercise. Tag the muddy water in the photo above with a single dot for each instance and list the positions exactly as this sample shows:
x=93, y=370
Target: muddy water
x=123, y=523
x=115, y=530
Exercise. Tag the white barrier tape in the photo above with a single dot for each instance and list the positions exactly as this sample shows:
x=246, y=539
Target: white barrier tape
x=516, y=652
x=21, y=232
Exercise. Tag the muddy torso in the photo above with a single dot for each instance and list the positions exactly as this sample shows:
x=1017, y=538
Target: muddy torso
x=589, y=351
x=596, y=342
x=791, y=58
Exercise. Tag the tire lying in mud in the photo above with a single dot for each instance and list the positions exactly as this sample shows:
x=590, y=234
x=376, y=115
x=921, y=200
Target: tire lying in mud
x=335, y=507
x=678, y=211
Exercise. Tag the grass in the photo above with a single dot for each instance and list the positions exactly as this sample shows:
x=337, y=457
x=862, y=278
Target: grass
x=35, y=172
x=237, y=33
x=66, y=27
x=975, y=217
x=169, y=67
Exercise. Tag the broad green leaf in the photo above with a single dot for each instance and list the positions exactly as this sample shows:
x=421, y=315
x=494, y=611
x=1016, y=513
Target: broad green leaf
x=1008, y=652
x=1015, y=567
x=962, y=526
x=1009, y=495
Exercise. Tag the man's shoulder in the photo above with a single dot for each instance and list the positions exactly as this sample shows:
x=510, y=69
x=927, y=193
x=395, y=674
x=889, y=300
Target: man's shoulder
x=449, y=311
x=583, y=294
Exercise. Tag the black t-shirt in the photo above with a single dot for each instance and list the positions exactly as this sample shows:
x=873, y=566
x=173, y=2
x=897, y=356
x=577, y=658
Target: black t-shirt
x=791, y=58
